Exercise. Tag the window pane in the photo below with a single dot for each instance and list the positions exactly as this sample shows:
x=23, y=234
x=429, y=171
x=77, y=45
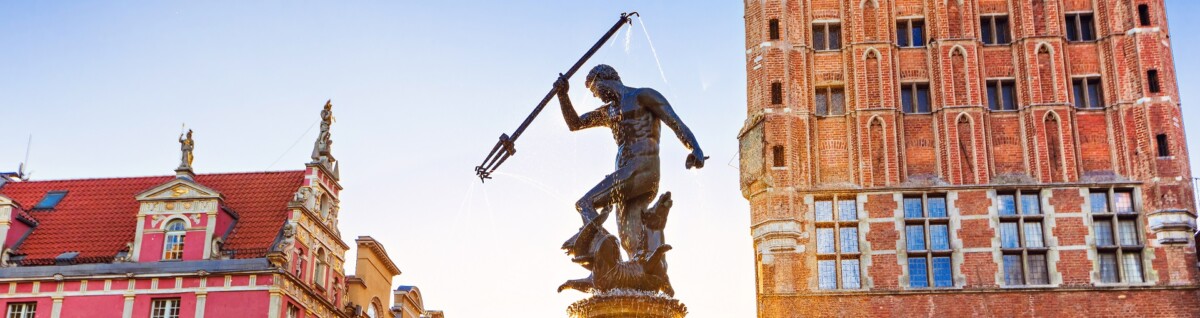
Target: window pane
x=819, y=37
x=1008, y=204
x=943, y=275
x=912, y=208
x=1132, y=265
x=1099, y=202
x=1030, y=204
x=1009, y=95
x=1108, y=268
x=923, y=98
x=937, y=207
x=917, y=276
x=1072, y=28
x=822, y=101
x=1037, y=270
x=850, y=274
x=906, y=99
x=835, y=37
x=902, y=33
x=918, y=33
x=837, y=102
x=1086, y=30
x=1033, y=235
x=993, y=96
x=1008, y=235
x=1104, y=235
x=986, y=28
x=1093, y=90
x=1012, y=270
x=827, y=276
x=916, y=237
x=849, y=239
x=1123, y=202
x=939, y=237
x=824, y=211
x=847, y=210
x=1128, y=233
x=825, y=241
x=1002, y=30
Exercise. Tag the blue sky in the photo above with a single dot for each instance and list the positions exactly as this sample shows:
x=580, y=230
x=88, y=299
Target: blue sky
x=421, y=89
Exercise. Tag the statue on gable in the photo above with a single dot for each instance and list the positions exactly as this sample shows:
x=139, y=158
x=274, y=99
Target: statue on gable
x=322, y=147
x=186, y=145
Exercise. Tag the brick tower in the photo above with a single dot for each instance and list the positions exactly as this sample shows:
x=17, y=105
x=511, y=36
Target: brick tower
x=966, y=157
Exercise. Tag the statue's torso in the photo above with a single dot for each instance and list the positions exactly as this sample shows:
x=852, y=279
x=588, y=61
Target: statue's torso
x=635, y=129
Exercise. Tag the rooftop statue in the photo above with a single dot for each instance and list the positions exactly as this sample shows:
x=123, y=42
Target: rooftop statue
x=186, y=145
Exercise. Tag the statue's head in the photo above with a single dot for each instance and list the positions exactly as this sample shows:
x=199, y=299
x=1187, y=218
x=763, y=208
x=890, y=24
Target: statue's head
x=328, y=104
x=189, y=135
x=603, y=81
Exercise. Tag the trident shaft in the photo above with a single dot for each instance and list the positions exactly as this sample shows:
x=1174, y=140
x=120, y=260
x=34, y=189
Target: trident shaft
x=504, y=147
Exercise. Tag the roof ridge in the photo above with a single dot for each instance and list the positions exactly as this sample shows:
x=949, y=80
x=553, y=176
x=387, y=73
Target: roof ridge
x=162, y=176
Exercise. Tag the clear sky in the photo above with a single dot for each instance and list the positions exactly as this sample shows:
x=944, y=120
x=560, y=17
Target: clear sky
x=421, y=90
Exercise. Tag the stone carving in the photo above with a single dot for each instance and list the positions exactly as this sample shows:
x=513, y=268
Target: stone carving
x=216, y=252
x=302, y=195
x=186, y=145
x=4, y=255
x=634, y=116
x=289, y=238
x=321, y=149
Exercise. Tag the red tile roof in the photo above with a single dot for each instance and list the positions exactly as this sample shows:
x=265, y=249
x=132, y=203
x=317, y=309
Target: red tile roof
x=98, y=216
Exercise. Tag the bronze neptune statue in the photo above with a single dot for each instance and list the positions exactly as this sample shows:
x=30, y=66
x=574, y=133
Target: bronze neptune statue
x=634, y=116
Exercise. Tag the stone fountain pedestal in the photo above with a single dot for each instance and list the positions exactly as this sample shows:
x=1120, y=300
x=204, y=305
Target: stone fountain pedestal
x=627, y=304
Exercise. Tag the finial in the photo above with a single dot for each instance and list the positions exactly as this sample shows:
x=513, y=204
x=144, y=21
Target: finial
x=186, y=145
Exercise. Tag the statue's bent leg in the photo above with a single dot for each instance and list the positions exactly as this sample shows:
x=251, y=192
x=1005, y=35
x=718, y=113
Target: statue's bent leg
x=603, y=194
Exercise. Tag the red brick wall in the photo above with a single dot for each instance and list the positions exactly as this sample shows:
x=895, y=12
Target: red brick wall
x=963, y=147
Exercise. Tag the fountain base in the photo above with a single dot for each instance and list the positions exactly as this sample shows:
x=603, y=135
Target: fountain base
x=627, y=304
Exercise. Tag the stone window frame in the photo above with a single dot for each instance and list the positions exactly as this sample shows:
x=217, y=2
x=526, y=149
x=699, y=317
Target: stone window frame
x=1144, y=250
x=928, y=253
x=912, y=87
x=998, y=85
x=1020, y=217
x=25, y=309
x=1078, y=17
x=832, y=39
x=1085, y=100
x=827, y=92
x=837, y=224
x=991, y=20
x=174, y=239
x=320, y=267
x=165, y=307
x=906, y=26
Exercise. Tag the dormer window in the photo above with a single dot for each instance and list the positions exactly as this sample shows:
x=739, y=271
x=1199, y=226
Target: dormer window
x=173, y=244
x=51, y=200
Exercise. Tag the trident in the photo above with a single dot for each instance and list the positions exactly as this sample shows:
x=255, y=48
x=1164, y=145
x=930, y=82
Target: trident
x=504, y=148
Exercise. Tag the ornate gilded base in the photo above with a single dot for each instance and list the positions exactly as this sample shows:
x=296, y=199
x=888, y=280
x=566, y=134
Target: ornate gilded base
x=627, y=304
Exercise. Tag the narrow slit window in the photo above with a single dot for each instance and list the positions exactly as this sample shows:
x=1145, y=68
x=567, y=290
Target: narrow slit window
x=1152, y=81
x=777, y=154
x=773, y=29
x=1164, y=149
x=776, y=93
x=1144, y=14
